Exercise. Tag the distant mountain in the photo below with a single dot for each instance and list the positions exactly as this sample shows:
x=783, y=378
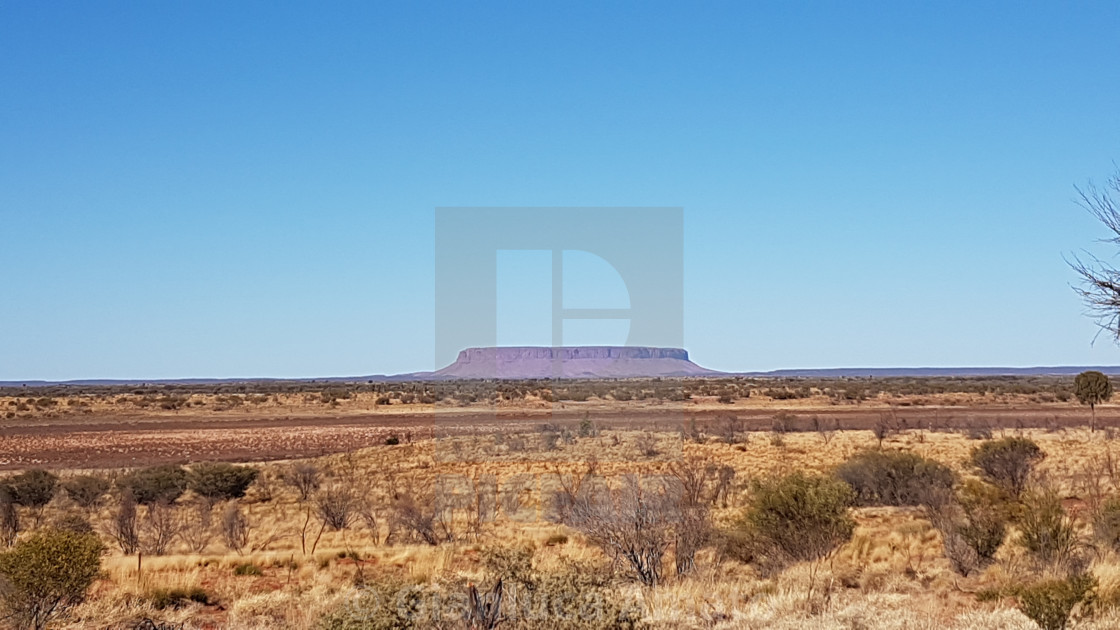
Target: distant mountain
x=571, y=362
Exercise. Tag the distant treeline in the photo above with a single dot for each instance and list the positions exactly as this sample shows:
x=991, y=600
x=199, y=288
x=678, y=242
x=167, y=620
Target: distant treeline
x=1048, y=388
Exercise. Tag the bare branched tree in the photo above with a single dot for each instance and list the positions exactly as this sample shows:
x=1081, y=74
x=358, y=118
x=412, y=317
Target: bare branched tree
x=124, y=527
x=634, y=523
x=304, y=477
x=160, y=527
x=1100, y=281
x=696, y=485
x=335, y=506
x=195, y=526
x=419, y=513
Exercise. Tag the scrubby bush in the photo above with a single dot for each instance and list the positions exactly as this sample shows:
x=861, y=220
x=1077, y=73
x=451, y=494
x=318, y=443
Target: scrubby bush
x=797, y=518
x=385, y=604
x=1008, y=462
x=235, y=528
x=896, y=478
x=156, y=484
x=1106, y=523
x=220, y=481
x=46, y=574
x=972, y=525
x=1052, y=603
x=124, y=527
x=86, y=490
x=573, y=596
x=33, y=489
x=1045, y=530
x=304, y=477
x=9, y=517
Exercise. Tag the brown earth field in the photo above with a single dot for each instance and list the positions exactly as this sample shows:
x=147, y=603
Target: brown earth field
x=114, y=434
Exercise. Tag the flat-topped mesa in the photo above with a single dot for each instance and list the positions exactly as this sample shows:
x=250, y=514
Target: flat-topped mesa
x=574, y=353
x=530, y=362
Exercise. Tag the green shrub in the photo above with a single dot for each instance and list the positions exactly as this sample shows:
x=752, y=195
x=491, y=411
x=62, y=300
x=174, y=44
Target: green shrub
x=1051, y=603
x=86, y=490
x=46, y=574
x=798, y=518
x=220, y=481
x=34, y=488
x=1045, y=530
x=896, y=478
x=156, y=484
x=985, y=518
x=1008, y=462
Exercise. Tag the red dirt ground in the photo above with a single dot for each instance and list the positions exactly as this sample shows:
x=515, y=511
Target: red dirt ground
x=109, y=442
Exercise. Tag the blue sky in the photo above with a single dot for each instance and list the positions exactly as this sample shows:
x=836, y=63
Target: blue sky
x=248, y=189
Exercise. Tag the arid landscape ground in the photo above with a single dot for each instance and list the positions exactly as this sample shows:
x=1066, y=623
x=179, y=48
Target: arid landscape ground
x=423, y=491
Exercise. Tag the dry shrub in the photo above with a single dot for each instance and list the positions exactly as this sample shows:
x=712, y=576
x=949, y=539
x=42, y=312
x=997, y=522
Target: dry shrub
x=646, y=444
x=573, y=596
x=1053, y=603
x=1046, y=531
x=633, y=523
x=1008, y=462
x=972, y=525
x=195, y=526
x=697, y=486
x=86, y=490
x=335, y=507
x=235, y=528
x=124, y=526
x=386, y=604
x=9, y=517
x=304, y=477
x=417, y=514
x=159, y=528
x=896, y=478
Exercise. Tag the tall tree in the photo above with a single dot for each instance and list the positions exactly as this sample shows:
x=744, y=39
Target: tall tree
x=1092, y=388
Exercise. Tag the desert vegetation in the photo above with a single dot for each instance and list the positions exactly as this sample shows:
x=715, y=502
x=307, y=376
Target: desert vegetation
x=712, y=522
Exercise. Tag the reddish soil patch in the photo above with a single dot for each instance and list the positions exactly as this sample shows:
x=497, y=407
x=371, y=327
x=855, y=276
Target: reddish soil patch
x=105, y=442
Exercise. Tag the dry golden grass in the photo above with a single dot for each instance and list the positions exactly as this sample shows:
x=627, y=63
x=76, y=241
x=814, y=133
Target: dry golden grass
x=892, y=574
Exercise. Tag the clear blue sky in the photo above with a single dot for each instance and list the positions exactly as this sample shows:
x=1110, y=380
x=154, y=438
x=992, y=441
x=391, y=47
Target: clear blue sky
x=247, y=189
